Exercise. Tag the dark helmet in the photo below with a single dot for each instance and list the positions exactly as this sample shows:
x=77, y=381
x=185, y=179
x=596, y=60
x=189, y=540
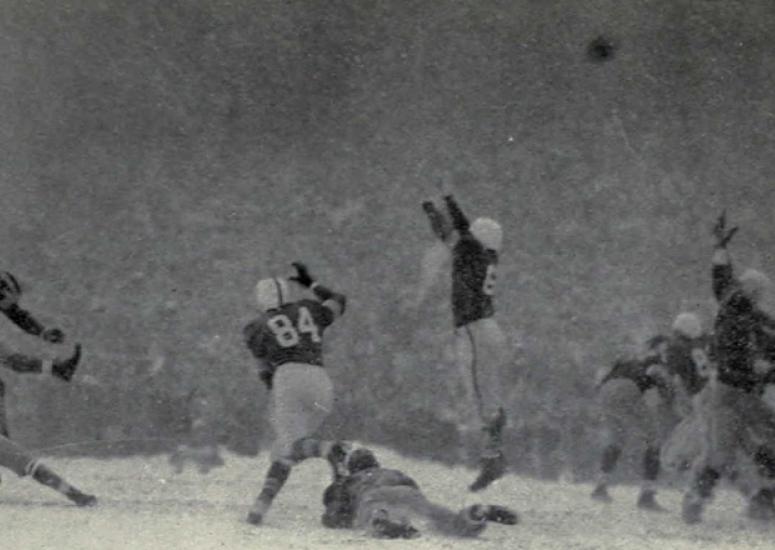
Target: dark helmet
x=361, y=459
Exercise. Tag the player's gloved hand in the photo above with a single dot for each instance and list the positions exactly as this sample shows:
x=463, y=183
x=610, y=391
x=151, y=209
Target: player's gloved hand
x=65, y=368
x=10, y=290
x=302, y=275
x=53, y=336
x=266, y=377
x=721, y=233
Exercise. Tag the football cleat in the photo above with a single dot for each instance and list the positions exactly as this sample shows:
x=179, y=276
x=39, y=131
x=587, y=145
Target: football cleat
x=501, y=514
x=601, y=494
x=761, y=506
x=255, y=518
x=691, y=508
x=82, y=499
x=493, y=467
x=647, y=501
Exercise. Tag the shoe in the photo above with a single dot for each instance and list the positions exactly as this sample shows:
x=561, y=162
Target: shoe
x=257, y=513
x=691, y=509
x=647, y=501
x=384, y=528
x=761, y=506
x=82, y=499
x=601, y=494
x=493, y=468
x=501, y=514
x=255, y=518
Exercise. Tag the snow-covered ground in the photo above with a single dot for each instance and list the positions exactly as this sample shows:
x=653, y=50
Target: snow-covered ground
x=144, y=505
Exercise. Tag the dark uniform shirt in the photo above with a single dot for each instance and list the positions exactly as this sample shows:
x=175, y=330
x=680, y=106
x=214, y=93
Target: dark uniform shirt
x=473, y=280
x=681, y=359
x=742, y=332
x=291, y=333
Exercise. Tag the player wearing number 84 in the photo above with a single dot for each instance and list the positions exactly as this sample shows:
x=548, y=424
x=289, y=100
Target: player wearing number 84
x=287, y=342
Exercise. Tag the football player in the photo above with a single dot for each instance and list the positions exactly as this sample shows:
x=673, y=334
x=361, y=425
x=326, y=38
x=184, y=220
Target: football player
x=384, y=502
x=287, y=341
x=479, y=341
x=12, y=455
x=630, y=409
x=737, y=418
x=10, y=293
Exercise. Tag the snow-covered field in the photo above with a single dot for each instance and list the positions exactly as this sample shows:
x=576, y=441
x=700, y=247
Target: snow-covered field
x=144, y=505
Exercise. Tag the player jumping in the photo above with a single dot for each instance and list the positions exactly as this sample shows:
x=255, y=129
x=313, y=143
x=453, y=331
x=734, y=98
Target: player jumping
x=287, y=342
x=480, y=342
x=735, y=416
x=384, y=502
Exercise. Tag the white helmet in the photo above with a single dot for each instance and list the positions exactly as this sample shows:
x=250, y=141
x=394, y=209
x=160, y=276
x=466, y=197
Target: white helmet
x=688, y=324
x=755, y=284
x=271, y=293
x=488, y=232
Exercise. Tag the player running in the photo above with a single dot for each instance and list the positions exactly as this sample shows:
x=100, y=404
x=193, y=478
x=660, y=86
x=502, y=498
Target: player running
x=646, y=398
x=736, y=417
x=287, y=341
x=480, y=342
x=384, y=502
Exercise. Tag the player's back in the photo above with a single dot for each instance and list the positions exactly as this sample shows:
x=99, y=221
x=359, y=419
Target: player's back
x=473, y=280
x=292, y=332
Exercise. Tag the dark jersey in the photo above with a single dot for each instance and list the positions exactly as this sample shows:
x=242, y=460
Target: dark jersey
x=682, y=359
x=742, y=332
x=342, y=497
x=473, y=280
x=291, y=333
x=634, y=370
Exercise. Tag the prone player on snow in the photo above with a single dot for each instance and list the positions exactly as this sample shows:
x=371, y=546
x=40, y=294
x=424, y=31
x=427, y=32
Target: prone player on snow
x=385, y=502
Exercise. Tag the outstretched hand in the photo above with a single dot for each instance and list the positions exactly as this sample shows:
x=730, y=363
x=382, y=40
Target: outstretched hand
x=720, y=231
x=302, y=275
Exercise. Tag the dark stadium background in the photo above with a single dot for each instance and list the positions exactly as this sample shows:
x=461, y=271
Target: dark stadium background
x=158, y=159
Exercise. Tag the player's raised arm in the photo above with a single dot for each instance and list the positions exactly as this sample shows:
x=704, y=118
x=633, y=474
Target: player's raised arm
x=440, y=225
x=10, y=292
x=723, y=277
x=459, y=220
x=334, y=301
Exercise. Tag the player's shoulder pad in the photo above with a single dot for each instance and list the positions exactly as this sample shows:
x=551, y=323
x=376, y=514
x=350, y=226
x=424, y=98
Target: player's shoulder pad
x=253, y=327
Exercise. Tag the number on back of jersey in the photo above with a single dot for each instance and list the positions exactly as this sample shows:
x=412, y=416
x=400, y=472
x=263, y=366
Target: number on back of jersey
x=289, y=334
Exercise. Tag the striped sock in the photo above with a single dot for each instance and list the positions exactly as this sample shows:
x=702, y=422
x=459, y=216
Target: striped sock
x=275, y=479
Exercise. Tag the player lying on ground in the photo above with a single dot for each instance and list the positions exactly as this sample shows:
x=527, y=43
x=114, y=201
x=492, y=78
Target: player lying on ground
x=287, y=341
x=737, y=419
x=644, y=399
x=385, y=502
x=481, y=348
x=10, y=293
